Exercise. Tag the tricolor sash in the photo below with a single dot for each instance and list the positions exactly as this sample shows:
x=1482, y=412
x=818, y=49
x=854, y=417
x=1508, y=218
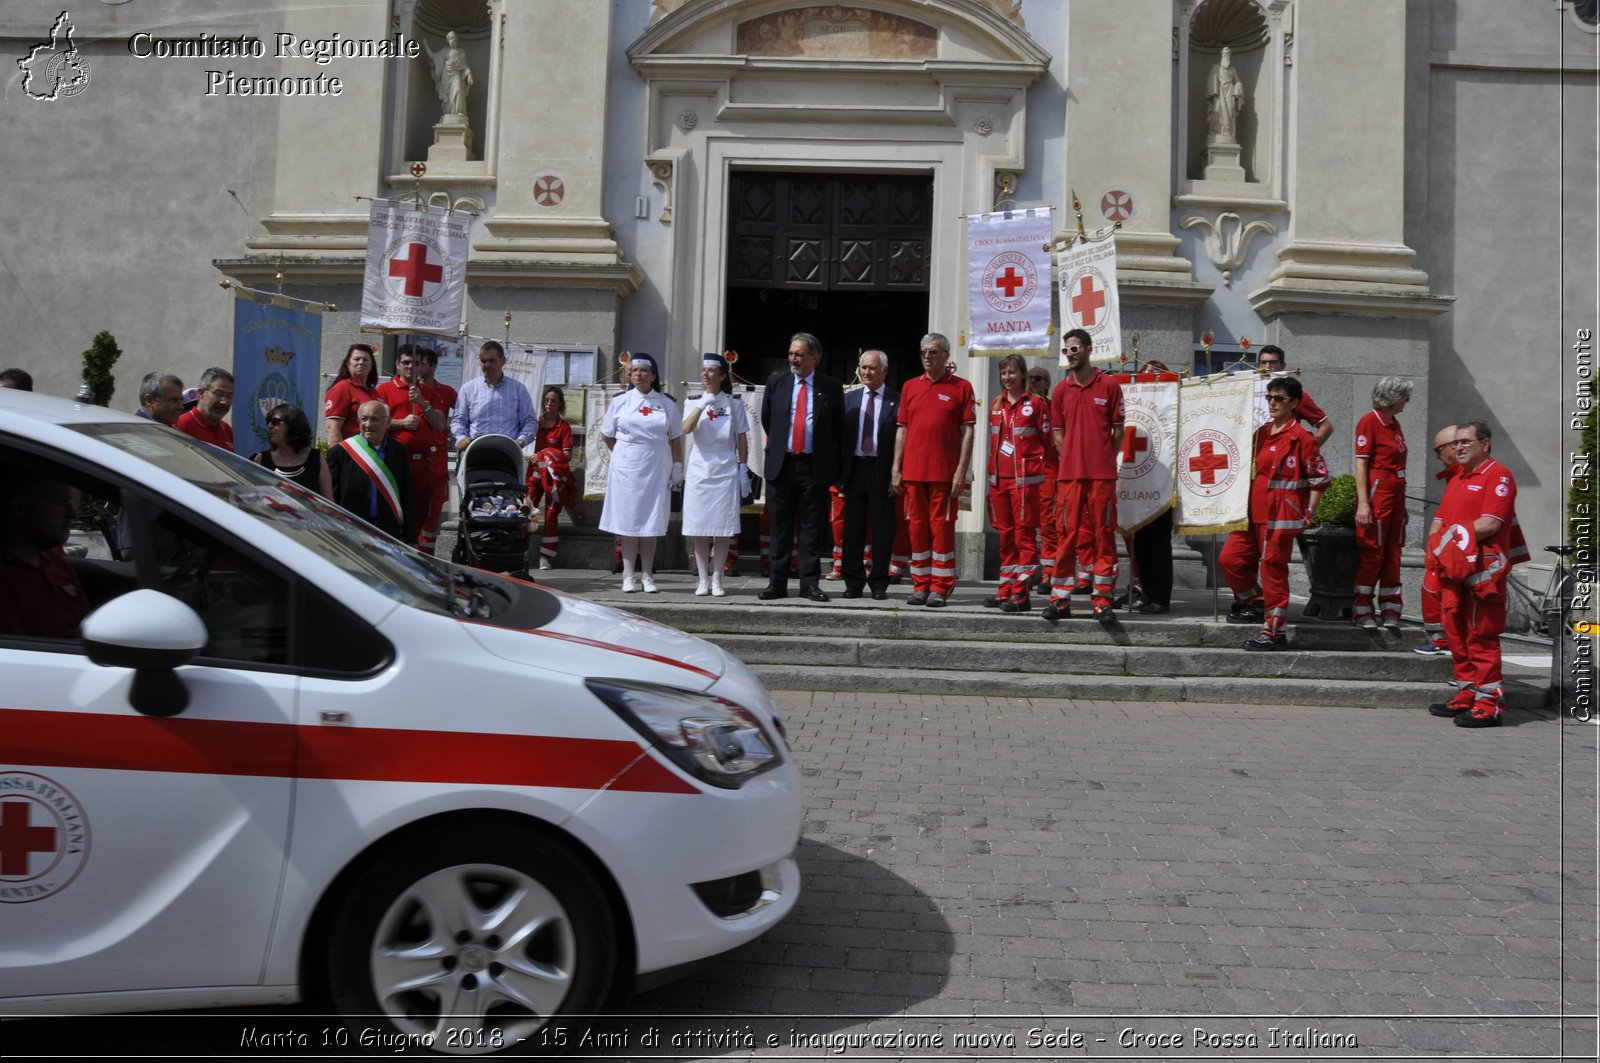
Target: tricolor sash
x=366, y=455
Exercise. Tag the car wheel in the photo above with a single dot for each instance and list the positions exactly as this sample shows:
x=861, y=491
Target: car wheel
x=468, y=941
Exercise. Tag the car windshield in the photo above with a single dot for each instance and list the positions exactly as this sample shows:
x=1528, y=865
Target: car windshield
x=312, y=521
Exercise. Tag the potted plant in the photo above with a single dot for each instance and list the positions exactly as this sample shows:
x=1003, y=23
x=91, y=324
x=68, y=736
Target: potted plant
x=1328, y=548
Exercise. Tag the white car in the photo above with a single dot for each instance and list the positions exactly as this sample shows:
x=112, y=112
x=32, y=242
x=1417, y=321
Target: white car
x=289, y=758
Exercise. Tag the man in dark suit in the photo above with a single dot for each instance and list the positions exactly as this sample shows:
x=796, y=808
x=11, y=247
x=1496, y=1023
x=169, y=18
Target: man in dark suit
x=869, y=419
x=803, y=415
x=371, y=475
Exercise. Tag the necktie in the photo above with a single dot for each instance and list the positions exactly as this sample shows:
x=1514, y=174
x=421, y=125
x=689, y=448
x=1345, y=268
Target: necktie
x=797, y=431
x=869, y=424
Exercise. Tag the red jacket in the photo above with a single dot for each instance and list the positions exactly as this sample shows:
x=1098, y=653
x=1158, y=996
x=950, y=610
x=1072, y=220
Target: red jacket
x=1022, y=428
x=1288, y=465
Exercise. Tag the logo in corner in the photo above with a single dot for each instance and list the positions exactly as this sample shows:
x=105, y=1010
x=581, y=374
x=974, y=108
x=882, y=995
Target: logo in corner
x=55, y=68
x=44, y=837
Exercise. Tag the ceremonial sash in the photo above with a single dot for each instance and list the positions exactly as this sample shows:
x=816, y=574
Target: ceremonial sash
x=371, y=462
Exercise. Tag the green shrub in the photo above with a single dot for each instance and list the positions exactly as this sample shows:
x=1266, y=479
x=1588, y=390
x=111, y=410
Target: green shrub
x=1338, y=502
x=102, y=354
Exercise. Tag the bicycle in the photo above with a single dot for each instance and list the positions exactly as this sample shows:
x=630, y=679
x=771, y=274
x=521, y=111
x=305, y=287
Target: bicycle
x=1547, y=608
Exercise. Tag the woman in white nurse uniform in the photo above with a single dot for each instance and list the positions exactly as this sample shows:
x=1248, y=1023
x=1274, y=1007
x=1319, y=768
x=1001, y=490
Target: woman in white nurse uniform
x=720, y=427
x=644, y=431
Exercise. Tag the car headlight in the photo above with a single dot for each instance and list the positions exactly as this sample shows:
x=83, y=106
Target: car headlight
x=711, y=738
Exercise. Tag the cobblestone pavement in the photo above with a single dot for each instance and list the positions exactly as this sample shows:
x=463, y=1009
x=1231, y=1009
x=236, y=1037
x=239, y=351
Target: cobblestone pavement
x=1167, y=880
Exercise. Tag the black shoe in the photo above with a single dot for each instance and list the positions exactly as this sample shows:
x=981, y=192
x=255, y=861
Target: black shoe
x=1083, y=588
x=1474, y=718
x=815, y=594
x=1105, y=614
x=1247, y=613
x=994, y=603
x=1137, y=599
x=936, y=601
x=854, y=592
x=1447, y=709
x=918, y=598
x=1010, y=607
x=1154, y=608
x=1056, y=611
x=880, y=595
x=772, y=594
x=1267, y=642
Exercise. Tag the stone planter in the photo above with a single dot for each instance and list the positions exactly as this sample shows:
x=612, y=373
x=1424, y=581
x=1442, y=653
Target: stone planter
x=1331, y=557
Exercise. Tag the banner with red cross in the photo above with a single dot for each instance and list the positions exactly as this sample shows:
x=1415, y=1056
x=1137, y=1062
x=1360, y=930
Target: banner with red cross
x=416, y=278
x=1086, y=279
x=1213, y=460
x=1145, y=470
x=1008, y=282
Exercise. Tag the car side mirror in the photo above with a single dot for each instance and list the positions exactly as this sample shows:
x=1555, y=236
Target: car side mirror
x=152, y=633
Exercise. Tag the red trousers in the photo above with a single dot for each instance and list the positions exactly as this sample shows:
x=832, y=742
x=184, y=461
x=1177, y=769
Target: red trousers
x=836, y=522
x=1380, y=543
x=1432, y=611
x=1014, y=512
x=900, y=558
x=430, y=488
x=1473, y=626
x=1049, y=531
x=1086, y=506
x=931, y=514
x=1255, y=563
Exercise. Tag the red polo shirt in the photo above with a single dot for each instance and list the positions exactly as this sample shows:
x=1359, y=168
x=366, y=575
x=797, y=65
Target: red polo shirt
x=932, y=413
x=1487, y=491
x=1382, y=443
x=1084, y=414
x=396, y=394
x=343, y=400
x=218, y=435
x=47, y=601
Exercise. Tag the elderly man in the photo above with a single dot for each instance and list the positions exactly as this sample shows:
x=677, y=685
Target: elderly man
x=932, y=463
x=1436, y=645
x=870, y=415
x=205, y=422
x=416, y=424
x=802, y=412
x=160, y=399
x=1086, y=416
x=371, y=475
x=1473, y=537
x=493, y=404
x=1271, y=363
x=39, y=593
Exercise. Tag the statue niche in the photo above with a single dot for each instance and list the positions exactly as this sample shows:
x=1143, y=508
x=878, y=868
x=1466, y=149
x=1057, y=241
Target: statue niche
x=452, y=80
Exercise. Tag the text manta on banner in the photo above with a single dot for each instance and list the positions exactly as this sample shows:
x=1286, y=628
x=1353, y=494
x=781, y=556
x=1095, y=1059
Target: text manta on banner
x=1008, y=282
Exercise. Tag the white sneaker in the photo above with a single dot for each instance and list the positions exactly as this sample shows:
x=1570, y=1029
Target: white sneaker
x=545, y=565
x=649, y=584
x=1392, y=623
x=629, y=585
x=716, y=589
x=702, y=589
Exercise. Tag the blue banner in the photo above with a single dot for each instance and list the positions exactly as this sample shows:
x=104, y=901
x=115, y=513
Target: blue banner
x=277, y=350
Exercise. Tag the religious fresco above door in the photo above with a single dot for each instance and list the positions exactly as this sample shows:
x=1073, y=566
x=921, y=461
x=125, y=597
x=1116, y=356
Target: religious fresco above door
x=837, y=32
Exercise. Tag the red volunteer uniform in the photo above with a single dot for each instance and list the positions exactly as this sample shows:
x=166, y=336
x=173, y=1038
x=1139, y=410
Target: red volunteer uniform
x=1474, y=609
x=1432, y=615
x=343, y=400
x=218, y=435
x=1255, y=562
x=1310, y=413
x=47, y=602
x=543, y=480
x=1086, y=488
x=933, y=412
x=420, y=443
x=1017, y=431
x=1383, y=444
x=440, y=397
x=1049, y=526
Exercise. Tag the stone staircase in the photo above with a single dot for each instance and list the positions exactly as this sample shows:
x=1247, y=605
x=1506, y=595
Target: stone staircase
x=1182, y=656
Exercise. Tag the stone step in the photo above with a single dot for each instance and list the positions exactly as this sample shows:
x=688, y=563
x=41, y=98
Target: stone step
x=1242, y=690
x=945, y=655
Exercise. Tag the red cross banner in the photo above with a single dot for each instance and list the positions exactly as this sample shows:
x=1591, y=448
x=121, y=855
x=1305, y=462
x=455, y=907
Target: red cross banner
x=1008, y=282
x=1213, y=459
x=1145, y=468
x=1086, y=278
x=416, y=277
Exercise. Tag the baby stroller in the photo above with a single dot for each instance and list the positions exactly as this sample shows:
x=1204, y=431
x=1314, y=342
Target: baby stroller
x=493, y=529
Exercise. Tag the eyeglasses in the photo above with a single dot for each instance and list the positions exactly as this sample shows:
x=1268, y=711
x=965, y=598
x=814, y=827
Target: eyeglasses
x=1466, y=442
x=1442, y=446
x=276, y=420
x=1270, y=365
x=930, y=350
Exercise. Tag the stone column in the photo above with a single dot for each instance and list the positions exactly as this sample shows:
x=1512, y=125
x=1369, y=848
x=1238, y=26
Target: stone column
x=1119, y=116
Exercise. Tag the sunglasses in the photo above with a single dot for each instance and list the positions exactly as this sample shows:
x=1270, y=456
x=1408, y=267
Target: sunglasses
x=276, y=420
x=1278, y=398
x=1072, y=350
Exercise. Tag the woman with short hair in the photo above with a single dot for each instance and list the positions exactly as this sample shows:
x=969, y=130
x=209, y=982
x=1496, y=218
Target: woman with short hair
x=1380, y=475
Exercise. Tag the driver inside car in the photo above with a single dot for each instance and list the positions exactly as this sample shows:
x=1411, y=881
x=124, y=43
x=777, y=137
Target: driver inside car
x=40, y=595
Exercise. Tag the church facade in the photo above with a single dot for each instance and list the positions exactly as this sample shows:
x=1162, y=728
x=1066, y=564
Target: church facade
x=1381, y=187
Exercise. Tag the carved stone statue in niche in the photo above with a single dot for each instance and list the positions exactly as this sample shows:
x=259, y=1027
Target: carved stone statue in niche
x=451, y=76
x=1224, y=100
